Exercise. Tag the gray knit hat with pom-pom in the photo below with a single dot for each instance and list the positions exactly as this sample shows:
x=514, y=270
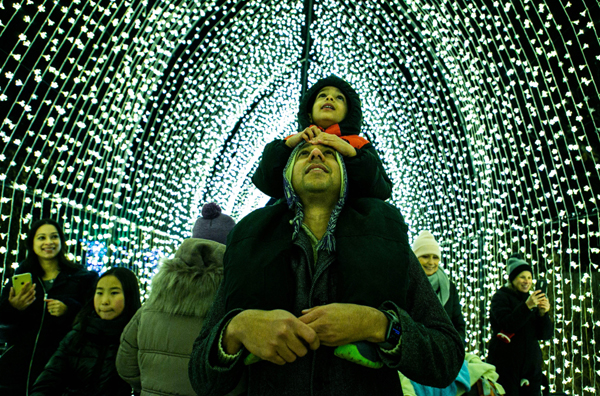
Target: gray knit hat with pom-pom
x=213, y=225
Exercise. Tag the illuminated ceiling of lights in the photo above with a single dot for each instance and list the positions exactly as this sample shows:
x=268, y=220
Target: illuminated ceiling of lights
x=123, y=118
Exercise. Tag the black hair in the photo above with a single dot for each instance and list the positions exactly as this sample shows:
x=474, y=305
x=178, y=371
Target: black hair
x=32, y=264
x=131, y=293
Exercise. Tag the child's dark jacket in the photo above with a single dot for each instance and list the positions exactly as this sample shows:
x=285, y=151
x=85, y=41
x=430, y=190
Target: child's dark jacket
x=84, y=363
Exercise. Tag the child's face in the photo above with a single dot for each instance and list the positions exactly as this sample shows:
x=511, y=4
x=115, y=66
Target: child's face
x=109, y=300
x=330, y=107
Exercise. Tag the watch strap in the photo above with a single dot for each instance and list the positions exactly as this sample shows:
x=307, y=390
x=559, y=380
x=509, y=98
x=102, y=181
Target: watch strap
x=393, y=332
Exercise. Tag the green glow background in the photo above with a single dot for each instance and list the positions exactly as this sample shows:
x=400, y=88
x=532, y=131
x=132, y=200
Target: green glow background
x=122, y=118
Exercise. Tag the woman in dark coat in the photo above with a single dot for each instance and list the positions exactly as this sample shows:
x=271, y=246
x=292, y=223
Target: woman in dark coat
x=84, y=363
x=429, y=254
x=519, y=321
x=33, y=322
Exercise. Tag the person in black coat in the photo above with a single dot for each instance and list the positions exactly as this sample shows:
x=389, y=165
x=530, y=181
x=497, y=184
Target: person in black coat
x=33, y=322
x=519, y=321
x=84, y=363
x=429, y=254
x=329, y=113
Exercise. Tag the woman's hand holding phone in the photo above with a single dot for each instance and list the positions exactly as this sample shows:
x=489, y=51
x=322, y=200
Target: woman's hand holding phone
x=24, y=298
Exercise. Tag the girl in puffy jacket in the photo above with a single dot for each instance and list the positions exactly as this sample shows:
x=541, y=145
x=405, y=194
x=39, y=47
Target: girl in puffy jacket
x=84, y=363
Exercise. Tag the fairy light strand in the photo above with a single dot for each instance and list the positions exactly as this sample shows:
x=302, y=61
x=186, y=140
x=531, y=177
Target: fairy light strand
x=122, y=118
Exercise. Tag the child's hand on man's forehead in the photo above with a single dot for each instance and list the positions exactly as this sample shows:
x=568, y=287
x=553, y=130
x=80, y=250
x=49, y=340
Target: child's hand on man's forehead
x=339, y=144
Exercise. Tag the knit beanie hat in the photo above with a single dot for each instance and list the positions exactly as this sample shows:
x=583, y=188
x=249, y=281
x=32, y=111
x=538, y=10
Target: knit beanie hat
x=213, y=224
x=515, y=265
x=327, y=242
x=425, y=244
x=351, y=124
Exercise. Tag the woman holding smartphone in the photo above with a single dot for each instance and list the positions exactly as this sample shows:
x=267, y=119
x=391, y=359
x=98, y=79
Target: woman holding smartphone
x=34, y=320
x=520, y=319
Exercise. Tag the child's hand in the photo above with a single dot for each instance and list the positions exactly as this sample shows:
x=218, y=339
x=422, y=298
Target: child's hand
x=307, y=135
x=339, y=144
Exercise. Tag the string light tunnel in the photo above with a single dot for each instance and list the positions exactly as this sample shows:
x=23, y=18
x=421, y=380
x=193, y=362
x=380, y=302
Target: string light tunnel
x=121, y=118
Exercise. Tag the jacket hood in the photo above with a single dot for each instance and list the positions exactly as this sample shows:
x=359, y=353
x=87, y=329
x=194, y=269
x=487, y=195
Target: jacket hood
x=352, y=123
x=294, y=203
x=187, y=283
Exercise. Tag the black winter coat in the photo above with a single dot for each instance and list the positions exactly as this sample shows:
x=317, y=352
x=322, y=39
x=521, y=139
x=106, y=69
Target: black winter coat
x=20, y=329
x=522, y=357
x=84, y=363
x=366, y=175
x=373, y=265
x=454, y=311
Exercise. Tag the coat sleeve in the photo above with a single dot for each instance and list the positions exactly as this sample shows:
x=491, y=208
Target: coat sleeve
x=85, y=291
x=456, y=315
x=431, y=352
x=12, y=321
x=206, y=375
x=366, y=175
x=55, y=377
x=509, y=319
x=268, y=176
x=544, y=329
x=127, y=357
x=8, y=313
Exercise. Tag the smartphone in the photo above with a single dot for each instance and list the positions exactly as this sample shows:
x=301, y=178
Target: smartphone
x=542, y=285
x=20, y=280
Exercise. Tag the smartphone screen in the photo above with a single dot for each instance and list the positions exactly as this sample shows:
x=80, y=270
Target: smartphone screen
x=542, y=285
x=20, y=280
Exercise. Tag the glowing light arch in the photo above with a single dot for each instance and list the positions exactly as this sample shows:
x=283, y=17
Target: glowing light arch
x=122, y=118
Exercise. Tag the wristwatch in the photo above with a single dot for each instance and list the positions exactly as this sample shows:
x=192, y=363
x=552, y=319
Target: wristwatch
x=393, y=333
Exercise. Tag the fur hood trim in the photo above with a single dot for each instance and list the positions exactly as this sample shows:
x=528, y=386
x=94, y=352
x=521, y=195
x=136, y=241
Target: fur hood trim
x=182, y=289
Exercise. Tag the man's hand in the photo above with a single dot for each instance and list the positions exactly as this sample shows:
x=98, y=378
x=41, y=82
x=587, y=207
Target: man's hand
x=339, y=324
x=276, y=336
x=24, y=299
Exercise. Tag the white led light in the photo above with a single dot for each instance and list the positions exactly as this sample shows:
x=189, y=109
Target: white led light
x=122, y=119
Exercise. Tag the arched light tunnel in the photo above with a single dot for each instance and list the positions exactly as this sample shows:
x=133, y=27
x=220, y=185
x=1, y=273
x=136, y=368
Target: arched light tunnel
x=122, y=118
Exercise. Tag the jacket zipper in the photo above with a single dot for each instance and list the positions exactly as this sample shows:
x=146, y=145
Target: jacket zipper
x=38, y=335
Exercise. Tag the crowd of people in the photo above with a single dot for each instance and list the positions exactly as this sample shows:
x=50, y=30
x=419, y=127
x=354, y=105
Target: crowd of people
x=317, y=293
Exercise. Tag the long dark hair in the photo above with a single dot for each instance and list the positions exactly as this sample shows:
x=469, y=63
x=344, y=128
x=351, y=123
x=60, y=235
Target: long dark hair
x=131, y=293
x=32, y=264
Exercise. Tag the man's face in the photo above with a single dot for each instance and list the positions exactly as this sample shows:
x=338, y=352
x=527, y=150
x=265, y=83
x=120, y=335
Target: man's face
x=330, y=107
x=316, y=170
